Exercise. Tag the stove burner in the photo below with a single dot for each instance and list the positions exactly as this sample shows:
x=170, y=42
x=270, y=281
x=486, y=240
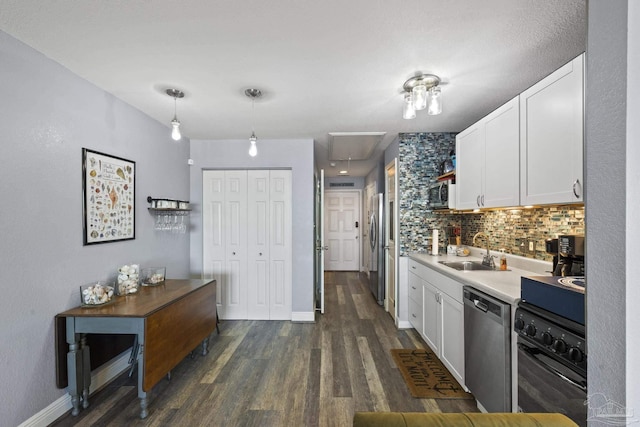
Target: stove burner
x=573, y=282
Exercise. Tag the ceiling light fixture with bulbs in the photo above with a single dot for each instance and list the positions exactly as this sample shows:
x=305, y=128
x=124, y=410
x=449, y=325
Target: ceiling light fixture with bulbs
x=175, y=123
x=253, y=94
x=422, y=91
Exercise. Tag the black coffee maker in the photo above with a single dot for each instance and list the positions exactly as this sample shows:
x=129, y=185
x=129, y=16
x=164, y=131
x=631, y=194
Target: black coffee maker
x=551, y=247
x=568, y=253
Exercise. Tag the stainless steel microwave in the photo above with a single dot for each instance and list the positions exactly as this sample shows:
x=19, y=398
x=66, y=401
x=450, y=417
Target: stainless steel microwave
x=442, y=195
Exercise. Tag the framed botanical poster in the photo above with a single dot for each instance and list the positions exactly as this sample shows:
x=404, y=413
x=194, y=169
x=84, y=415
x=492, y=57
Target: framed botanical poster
x=108, y=192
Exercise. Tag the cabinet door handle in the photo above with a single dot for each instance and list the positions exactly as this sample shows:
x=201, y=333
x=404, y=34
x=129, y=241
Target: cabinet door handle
x=575, y=185
x=482, y=199
x=478, y=200
x=233, y=253
x=413, y=287
x=414, y=316
x=260, y=254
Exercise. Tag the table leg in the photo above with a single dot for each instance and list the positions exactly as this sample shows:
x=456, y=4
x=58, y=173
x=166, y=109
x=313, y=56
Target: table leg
x=74, y=366
x=141, y=393
x=205, y=346
x=86, y=371
x=143, y=407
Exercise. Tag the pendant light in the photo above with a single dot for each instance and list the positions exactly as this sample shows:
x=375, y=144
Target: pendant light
x=253, y=94
x=422, y=91
x=175, y=123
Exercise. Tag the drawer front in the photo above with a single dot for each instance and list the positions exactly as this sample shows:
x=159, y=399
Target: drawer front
x=415, y=288
x=444, y=283
x=415, y=315
x=447, y=285
x=420, y=269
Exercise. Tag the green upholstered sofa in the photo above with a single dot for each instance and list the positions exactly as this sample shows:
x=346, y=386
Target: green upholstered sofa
x=423, y=419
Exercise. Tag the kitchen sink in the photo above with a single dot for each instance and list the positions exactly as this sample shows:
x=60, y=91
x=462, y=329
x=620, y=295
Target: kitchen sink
x=468, y=265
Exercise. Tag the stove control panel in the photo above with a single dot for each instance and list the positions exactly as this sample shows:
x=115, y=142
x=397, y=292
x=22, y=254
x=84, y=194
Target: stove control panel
x=547, y=333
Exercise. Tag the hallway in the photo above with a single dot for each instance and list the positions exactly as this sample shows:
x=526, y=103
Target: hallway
x=279, y=373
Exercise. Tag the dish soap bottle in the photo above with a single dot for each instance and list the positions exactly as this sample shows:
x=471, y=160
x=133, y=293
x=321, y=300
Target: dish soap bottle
x=503, y=260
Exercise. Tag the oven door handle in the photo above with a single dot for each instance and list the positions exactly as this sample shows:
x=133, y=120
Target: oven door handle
x=533, y=352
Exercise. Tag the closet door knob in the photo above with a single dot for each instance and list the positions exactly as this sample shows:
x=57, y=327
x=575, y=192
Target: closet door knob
x=260, y=254
x=233, y=253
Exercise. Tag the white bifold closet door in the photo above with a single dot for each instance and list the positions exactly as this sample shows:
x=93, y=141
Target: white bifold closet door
x=247, y=242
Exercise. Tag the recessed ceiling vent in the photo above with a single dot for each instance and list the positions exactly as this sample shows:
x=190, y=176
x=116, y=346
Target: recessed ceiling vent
x=342, y=184
x=353, y=145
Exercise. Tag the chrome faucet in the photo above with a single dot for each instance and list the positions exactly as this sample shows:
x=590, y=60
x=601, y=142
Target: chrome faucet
x=486, y=259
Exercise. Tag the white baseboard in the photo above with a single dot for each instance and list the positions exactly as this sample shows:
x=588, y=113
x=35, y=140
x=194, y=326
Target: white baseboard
x=303, y=316
x=404, y=324
x=99, y=378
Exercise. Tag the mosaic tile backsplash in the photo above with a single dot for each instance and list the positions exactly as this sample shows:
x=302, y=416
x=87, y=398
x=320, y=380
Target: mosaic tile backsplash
x=510, y=229
x=420, y=155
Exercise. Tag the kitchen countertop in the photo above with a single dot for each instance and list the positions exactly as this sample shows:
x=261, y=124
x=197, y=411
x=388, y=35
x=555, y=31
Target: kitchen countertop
x=504, y=285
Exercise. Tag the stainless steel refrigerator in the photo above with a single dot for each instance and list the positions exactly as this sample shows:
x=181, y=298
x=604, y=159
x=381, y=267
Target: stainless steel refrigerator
x=377, y=241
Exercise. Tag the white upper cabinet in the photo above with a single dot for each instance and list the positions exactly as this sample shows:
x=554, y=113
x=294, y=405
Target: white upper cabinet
x=469, y=166
x=487, y=157
x=551, y=138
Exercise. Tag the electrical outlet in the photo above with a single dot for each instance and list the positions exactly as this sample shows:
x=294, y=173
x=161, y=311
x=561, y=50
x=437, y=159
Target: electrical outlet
x=531, y=246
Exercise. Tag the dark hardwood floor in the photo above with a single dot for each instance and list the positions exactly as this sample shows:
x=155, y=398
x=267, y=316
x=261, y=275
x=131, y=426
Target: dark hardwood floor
x=280, y=373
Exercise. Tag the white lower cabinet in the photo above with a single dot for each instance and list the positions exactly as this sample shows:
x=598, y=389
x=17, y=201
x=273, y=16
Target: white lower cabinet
x=442, y=322
x=452, y=339
x=415, y=303
x=432, y=318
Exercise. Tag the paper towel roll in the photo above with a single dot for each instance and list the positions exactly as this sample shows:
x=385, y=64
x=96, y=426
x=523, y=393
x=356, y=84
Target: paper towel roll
x=434, y=242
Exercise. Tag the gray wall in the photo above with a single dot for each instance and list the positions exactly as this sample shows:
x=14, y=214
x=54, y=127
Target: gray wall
x=633, y=206
x=606, y=198
x=392, y=151
x=296, y=155
x=47, y=115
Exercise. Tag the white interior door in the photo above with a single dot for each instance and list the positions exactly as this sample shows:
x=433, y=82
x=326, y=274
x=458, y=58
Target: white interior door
x=235, y=224
x=342, y=230
x=247, y=242
x=391, y=233
x=213, y=239
x=320, y=247
x=280, y=251
x=258, y=244
x=225, y=239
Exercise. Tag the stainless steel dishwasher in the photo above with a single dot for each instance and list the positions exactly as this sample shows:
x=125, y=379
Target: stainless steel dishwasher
x=487, y=350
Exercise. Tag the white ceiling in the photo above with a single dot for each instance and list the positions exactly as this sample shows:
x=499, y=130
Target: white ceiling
x=324, y=66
